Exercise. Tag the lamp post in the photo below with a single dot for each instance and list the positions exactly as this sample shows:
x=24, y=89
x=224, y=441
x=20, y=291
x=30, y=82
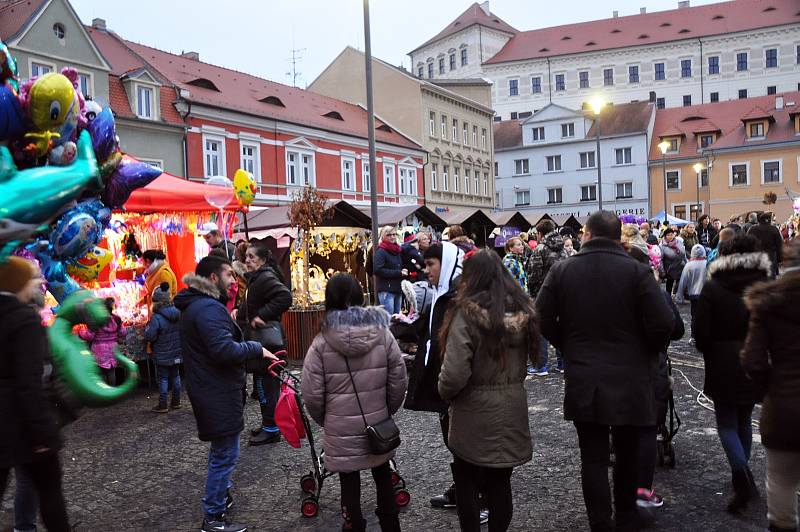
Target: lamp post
x=597, y=103
x=664, y=146
x=698, y=168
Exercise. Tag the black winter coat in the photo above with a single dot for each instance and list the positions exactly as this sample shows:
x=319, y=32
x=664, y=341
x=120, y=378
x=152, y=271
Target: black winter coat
x=27, y=415
x=214, y=356
x=413, y=262
x=267, y=297
x=706, y=235
x=770, y=242
x=719, y=325
x=386, y=267
x=164, y=333
x=606, y=313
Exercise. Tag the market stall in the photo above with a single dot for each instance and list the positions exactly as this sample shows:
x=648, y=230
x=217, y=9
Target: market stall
x=475, y=222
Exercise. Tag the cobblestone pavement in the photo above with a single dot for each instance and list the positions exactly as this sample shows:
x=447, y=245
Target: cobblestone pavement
x=129, y=469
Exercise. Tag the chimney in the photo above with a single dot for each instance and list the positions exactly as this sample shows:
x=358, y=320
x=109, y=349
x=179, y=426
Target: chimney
x=99, y=24
x=194, y=56
x=616, y=14
x=485, y=7
x=642, y=10
x=779, y=102
x=683, y=4
x=652, y=97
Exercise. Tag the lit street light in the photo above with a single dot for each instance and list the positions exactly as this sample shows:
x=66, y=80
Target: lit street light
x=698, y=168
x=597, y=103
x=664, y=146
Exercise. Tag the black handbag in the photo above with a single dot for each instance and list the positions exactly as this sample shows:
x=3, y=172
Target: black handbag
x=270, y=336
x=383, y=436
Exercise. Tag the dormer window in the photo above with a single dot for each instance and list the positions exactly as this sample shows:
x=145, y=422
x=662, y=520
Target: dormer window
x=204, y=84
x=756, y=130
x=674, y=144
x=144, y=102
x=334, y=114
x=272, y=100
x=706, y=140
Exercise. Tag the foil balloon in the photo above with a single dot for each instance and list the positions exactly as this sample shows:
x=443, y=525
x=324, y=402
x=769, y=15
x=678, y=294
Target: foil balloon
x=87, y=268
x=8, y=68
x=51, y=101
x=59, y=283
x=33, y=197
x=74, y=361
x=79, y=229
x=244, y=186
x=104, y=134
x=129, y=175
x=90, y=111
x=12, y=118
x=63, y=154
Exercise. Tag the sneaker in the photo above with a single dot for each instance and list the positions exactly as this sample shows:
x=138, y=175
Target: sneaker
x=228, y=500
x=484, y=516
x=541, y=372
x=559, y=369
x=175, y=405
x=265, y=438
x=445, y=500
x=160, y=409
x=531, y=370
x=219, y=524
x=646, y=498
x=256, y=430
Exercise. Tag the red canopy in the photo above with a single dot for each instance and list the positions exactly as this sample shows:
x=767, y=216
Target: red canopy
x=168, y=193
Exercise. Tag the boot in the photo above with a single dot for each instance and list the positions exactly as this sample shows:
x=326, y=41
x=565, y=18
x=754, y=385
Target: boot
x=175, y=404
x=353, y=523
x=752, y=483
x=390, y=522
x=160, y=408
x=741, y=491
x=264, y=438
x=448, y=498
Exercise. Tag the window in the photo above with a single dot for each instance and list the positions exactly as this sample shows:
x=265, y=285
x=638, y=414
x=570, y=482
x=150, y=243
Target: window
x=477, y=183
x=624, y=190
x=583, y=79
x=771, y=58
x=567, y=130
x=687, y=100
x=587, y=159
x=291, y=168
x=660, y=103
x=486, y=184
x=771, y=89
x=513, y=87
x=536, y=83
x=430, y=70
x=673, y=145
x=797, y=52
x=686, y=68
x=714, y=97
x=463, y=57
x=554, y=195
x=307, y=169
x=249, y=160
x=434, y=181
x=608, y=77
x=553, y=163
x=299, y=168
x=366, y=185
x=742, y=93
x=420, y=72
x=588, y=192
x=739, y=175
x=537, y=133
x=679, y=211
x=445, y=180
x=772, y=172
x=455, y=131
x=713, y=64
x=444, y=127
x=456, y=179
x=38, y=69
x=213, y=154
x=452, y=61
x=465, y=134
x=633, y=74
x=706, y=140
x=144, y=102
x=441, y=65
x=660, y=75
x=59, y=31
x=514, y=115
x=522, y=197
x=704, y=177
x=520, y=167
x=406, y=181
x=389, y=185
x=560, y=82
x=673, y=180
x=474, y=136
x=432, y=123
x=757, y=129
x=741, y=61
x=466, y=180
x=496, y=166
x=623, y=155
x=483, y=138
x=85, y=84
x=348, y=174
x=412, y=182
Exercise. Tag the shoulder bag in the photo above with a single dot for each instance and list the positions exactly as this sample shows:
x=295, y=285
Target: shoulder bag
x=270, y=336
x=384, y=436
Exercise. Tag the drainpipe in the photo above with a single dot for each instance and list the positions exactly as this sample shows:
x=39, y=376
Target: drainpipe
x=185, y=135
x=424, y=182
x=549, y=82
x=702, y=92
x=480, y=43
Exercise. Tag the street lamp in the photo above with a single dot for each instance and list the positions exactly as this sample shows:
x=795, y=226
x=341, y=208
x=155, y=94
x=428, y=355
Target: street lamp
x=664, y=146
x=597, y=103
x=698, y=168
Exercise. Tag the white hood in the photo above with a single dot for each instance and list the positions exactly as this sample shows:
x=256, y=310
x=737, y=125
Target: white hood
x=452, y=257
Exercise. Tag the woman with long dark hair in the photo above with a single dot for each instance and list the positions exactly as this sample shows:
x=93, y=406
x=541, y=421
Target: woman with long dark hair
x=489, y=335
x=259, y=315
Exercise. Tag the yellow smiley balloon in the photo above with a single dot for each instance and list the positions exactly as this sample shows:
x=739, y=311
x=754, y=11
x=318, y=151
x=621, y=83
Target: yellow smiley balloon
x=52, y=102
x=89, y=267
x=244, y=186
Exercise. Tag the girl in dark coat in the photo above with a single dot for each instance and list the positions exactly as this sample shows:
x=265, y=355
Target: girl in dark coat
x=719, y=327
x=673, y=259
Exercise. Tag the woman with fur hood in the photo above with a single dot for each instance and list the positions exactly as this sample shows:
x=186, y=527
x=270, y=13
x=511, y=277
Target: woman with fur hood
x=719, y=328
x=354, y=374
x=489, y=335
x=771, y=358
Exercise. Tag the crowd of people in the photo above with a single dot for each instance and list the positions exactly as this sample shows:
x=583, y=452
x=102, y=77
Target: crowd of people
x=489, y=326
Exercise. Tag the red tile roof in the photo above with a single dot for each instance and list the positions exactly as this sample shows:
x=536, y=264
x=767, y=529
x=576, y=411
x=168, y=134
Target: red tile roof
x=649, y=28
x=473, y=15
x=240, y=92
x=704, y=126
x=15, y=14
x=507, y=134
x=623, y=118
x=757, y=113
x=728, y=117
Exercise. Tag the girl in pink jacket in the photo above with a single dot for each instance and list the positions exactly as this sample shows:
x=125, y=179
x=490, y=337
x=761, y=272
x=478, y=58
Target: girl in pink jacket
x=103, y=342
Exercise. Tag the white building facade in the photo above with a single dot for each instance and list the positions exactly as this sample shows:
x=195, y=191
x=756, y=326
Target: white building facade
x=554, y=168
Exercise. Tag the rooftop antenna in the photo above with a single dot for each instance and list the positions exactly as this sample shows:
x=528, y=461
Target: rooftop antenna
x=297, y=56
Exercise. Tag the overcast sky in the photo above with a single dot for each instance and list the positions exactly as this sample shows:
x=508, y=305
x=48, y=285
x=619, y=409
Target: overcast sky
x=258, y=36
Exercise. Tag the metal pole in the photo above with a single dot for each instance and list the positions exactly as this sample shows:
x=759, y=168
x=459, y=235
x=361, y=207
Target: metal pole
x=373, y=167
x=697, y=211
x=664, y=171
x=599, y=173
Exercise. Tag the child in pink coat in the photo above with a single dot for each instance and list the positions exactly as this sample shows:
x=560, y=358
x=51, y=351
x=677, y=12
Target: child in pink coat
x=103, y=342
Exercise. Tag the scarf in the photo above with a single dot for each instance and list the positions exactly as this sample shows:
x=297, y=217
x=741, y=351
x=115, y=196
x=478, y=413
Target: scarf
x=391, y=247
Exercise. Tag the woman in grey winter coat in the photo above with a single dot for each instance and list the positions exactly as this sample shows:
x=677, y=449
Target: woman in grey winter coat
x=489, y=335
x=354, y=359
x=693, y=277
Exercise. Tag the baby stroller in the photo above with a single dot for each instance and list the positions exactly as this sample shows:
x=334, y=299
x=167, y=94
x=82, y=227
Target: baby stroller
x=294, y=424
x=666, y=432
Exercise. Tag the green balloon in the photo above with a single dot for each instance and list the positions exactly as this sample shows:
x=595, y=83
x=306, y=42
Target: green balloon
x=74, y=361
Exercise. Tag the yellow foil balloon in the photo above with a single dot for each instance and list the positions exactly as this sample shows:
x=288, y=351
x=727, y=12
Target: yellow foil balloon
x=52, y=102
x=89, y=267
x=244, y=186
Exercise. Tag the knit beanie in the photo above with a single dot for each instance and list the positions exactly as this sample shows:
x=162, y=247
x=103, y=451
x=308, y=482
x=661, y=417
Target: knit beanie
x=15, y=273
x=161, y=295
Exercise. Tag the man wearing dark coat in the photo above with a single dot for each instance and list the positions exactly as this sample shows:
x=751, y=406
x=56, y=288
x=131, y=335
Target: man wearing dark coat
x=769, y=240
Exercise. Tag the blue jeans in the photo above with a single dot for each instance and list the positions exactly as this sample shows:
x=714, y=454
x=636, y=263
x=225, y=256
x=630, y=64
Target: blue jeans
x=390, y=301
x=735, y=432
x=26, y=501
x=268, y=389
x=222, y=458
x=167, y=375
x=543, y=355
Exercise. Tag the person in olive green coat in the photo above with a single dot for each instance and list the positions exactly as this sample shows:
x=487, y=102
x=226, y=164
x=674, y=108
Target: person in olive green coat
x=489, y=336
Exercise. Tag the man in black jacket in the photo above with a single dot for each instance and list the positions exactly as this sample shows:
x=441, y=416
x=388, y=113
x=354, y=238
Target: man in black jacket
x=769, y=240
x=215, y=356
x=605, y=311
